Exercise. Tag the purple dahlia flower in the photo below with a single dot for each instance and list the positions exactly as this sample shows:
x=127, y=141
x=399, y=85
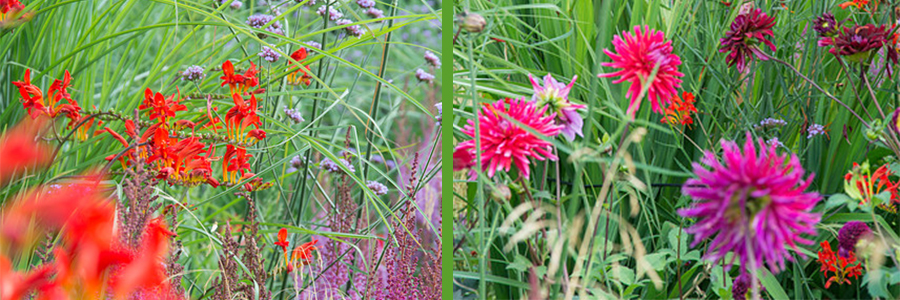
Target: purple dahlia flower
x=752, y=203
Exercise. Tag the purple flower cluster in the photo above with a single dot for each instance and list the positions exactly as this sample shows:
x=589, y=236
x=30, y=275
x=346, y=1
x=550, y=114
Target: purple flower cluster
x=258, y=21
x=193, y=73
x=751, y=203
x=440, y=112
x=423, y=76
x=375, y=13
x=814, y=130
x=293, y=115
x=234, y=4
x=366, y=3
x=377, y=188
x=328, y=165
x=432, y=59
x=313, y=45
x=296, y=163
x=354, y=30
x=333, y=13
x=768, y=123
x=269, y=55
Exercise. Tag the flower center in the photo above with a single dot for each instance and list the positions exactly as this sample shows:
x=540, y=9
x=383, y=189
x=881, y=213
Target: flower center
x=753, y=205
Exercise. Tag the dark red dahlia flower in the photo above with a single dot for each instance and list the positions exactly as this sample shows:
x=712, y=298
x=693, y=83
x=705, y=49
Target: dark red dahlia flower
x=826, y=25
x=857, y=42
x=741, y=41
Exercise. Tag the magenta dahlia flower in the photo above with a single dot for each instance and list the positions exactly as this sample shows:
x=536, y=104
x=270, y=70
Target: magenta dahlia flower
x=555, y=96
x=638, y=54
x=751, y=203
x=746, y=33
x=504, y=143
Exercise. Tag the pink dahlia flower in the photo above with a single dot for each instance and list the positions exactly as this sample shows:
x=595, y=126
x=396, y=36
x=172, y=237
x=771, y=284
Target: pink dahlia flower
x=638, y=54
x=743, y=39
x=751, y=203
x=504, y=143
x=555, y=96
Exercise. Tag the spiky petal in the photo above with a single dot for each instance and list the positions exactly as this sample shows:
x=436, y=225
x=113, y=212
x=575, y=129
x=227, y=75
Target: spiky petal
x=504, y=143
x=751, y=203
x=638, y=54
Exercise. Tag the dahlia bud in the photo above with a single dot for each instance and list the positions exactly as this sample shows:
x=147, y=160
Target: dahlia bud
x=471, y=22
x=826, y=25
x=849, y=236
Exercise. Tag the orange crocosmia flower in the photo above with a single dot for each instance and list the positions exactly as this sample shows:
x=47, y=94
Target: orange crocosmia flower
x=299, y=55
x=282, y=239
x=302, y=255
x=843, y=267
x=21, y=148
x=162, y=107
x=859, y=4
x=36, y=102
x=15, y=285
x=241, y=116
x=239, y=83
x=258, y=134
x=680, y=110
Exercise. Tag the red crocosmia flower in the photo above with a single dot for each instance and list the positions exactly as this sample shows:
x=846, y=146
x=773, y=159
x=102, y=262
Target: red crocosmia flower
x=236, y=160
x=867, y=186
x=21, y=149
x=239, y=83
x=15, y=285
x=843, y=267
x=679, y=112
x=859, y=4
x=161, y=107
x=36, y=103
x=239, y=117
x=32, y=96
x=302, y=255
x=257, y=134
x=299, y=55
x=282, y=240
x=7, y=9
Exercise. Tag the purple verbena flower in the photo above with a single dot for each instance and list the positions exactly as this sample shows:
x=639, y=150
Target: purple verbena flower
x=423, y=76
x=432, y=59
x=375, y=13
x=365, y=3
x=193, y=73
x=328, y=165
x=258, y=21
x=751, y=203
x=333, y=13
x=354, y=30
x=268, y=54
x=377, y=188
x=313, y=45
x=769, y=123
x=296, y=163
x=555, y=96
x=814, y=130
x=293, y=115
x=849, y=235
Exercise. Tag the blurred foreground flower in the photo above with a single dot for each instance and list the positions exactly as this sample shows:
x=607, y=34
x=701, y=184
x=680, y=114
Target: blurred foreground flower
x=21, y=149
x=751, y=203
x=640, y=53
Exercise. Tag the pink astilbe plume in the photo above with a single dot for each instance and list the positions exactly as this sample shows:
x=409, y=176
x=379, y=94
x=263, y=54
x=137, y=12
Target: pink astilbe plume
x=638, y=54
x=751, y=203
x=504, y=143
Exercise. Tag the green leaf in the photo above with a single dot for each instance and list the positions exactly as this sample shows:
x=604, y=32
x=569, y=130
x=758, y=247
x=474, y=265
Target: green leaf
x=520, y=263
